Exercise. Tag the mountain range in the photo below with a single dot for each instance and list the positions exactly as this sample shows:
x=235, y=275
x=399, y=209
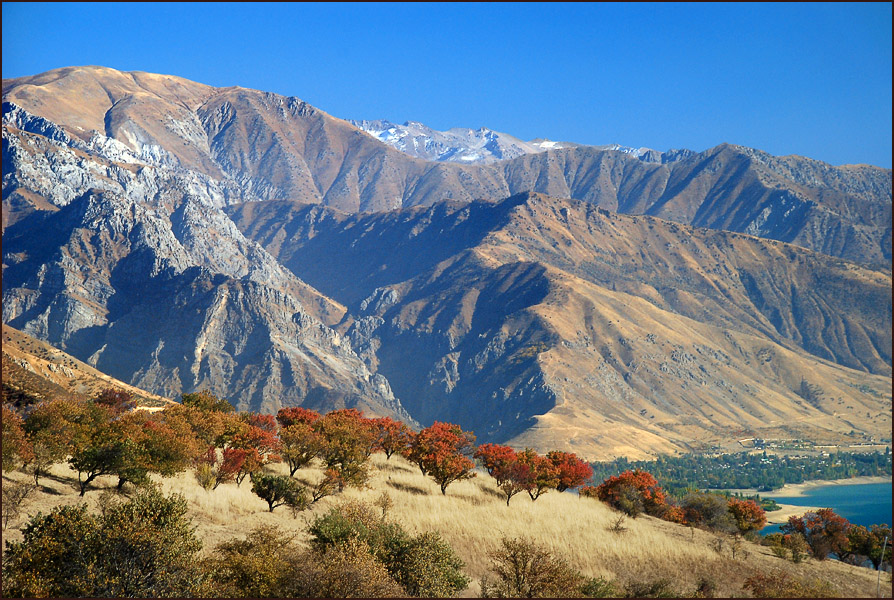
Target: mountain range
x=607, y=301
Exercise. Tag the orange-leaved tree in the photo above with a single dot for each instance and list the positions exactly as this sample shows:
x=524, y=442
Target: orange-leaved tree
x=824, y=531
x=393, y=437
x=296, y=414
x=299, y=444
x=544, y=475
x=348, y=440
x=748, y=514
x=633, y=492
x=494, y=456
x=572, y=471
x=441, y=451
x=260, y=442
x=17, y=449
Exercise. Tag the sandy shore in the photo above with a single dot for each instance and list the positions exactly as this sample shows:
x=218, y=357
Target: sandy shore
x=787, y=510
x=792, y=490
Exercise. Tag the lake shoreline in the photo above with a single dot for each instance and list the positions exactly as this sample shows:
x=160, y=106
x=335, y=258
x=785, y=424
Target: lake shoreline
x=778, y=517
x=796, y=490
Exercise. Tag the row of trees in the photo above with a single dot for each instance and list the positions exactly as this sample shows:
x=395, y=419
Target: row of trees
x=529, y=472
x=105, y=437
x=823, y=532
x=637, y=492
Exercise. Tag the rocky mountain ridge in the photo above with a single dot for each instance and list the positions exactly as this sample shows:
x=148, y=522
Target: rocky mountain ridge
x=180, y=236
x=483, y=145
x=260, y=146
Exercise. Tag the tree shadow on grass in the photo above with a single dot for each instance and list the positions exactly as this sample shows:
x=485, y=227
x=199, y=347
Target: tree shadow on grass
x=411, y=489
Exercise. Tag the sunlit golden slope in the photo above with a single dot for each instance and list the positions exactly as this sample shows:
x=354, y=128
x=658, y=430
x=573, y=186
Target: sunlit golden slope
x=36, y=369
x=472, y=517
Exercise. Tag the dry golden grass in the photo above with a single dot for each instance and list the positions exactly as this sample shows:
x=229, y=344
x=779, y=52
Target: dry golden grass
x=473, y=518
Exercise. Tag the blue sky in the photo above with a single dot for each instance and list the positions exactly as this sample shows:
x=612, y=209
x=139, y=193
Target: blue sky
x=808, y=79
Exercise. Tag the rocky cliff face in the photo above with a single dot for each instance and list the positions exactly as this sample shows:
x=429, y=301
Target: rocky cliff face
x=180, y=236
x=134, y=268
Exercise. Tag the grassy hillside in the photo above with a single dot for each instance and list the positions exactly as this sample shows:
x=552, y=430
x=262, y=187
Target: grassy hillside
x=473, y=518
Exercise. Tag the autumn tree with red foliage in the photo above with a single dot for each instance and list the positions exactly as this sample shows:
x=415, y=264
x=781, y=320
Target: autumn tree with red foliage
x=824, y=531
x=494, y=456
x=215, y=468
x=543, y=475
x=633, y=492
x=748, y=515
x=118, y=400
x=572, y=471
x=295, y=414
x=261, y=446
x=266, y=423
x=441, y=452
x=348, y=440
x=393, y=437
x=512, y=478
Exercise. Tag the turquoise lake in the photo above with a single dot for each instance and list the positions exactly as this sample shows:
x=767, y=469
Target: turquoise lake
x=862, y=504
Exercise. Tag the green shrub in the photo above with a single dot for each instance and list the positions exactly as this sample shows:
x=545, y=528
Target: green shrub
x=259, y=566
x=427, y=567
x=424, y=565
x=600, y=587
x=142, y=548
x=279, y=490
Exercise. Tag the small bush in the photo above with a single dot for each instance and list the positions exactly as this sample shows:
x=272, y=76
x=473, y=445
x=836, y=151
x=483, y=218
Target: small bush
x=526, y=570
x=279, y=490
x=343, y=571
x=600, y=587
x=705, y=588
x=783, y=585
x=259, y=566
x=657, y=588
x=424, y=565
x=427, y=567
x=797, y=545
x=617, y=525
x=14, y=496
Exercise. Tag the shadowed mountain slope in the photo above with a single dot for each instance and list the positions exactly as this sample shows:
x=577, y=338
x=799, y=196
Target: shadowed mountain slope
x=540, y=319
x=181, y=236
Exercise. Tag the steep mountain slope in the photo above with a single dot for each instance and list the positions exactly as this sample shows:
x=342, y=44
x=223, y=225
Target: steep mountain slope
x=120, y=193
x=35, y=371
x=547, y=321
x=251, y=145
x=171, y=298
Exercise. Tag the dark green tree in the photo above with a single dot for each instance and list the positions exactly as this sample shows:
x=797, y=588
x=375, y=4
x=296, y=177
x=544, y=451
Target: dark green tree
x=279, y=490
